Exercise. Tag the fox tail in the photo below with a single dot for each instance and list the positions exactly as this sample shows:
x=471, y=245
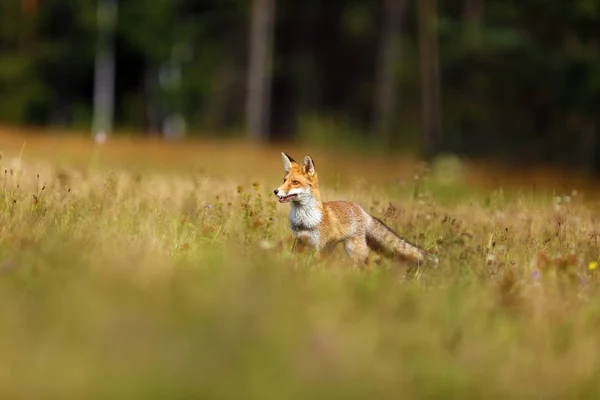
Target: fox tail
x=382, y=238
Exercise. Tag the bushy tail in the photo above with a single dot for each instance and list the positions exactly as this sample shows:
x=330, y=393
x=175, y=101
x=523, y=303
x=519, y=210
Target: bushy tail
x=382, y=238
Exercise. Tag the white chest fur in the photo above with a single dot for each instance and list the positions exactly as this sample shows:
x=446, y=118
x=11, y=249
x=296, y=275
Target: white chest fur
x=304, y=221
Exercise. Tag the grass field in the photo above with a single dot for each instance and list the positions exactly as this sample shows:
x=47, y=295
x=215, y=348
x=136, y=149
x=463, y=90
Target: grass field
x=139, y=269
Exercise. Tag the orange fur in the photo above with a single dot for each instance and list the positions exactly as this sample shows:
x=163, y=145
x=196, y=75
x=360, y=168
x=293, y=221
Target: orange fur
x=323, y=225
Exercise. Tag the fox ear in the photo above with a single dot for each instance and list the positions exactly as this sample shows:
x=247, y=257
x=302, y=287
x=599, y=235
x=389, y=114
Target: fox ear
x=287, y=161
x=309, y=166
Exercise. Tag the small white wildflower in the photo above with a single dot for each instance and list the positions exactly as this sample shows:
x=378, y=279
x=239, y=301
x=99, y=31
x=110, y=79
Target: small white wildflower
x=574, y=193
x=567, y=199
x=266, y=244
x=100, y=137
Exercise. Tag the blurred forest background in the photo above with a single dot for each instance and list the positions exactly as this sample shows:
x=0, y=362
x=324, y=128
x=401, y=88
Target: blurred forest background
x=514, y=79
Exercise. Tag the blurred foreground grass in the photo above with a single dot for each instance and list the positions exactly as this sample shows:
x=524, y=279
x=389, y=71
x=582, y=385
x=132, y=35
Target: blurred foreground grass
x=164, y=271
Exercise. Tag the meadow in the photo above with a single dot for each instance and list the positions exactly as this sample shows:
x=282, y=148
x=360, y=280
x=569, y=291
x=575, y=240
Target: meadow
x=139, y=269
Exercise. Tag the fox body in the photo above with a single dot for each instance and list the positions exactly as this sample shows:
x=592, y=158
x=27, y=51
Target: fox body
x=323, y=225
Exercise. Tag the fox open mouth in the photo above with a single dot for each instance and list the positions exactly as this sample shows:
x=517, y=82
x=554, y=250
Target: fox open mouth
x=285, y=199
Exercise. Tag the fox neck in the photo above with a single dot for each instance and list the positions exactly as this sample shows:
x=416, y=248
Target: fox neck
x=307, y=213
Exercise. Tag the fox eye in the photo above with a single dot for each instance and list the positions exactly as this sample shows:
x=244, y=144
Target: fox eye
x=295, y=183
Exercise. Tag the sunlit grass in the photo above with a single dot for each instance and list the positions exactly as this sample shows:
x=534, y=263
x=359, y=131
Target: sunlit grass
x=121, y=278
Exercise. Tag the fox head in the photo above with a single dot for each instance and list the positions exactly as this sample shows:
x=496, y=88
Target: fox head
x=300, y=181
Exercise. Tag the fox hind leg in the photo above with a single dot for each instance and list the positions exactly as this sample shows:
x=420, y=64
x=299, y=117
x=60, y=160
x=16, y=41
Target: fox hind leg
x=357, y=249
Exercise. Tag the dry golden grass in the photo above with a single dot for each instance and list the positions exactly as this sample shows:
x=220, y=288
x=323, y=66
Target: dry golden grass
x=145, y=269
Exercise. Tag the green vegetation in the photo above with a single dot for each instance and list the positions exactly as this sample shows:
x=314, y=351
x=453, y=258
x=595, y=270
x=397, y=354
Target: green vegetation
x=178, y=284
x=518, y=79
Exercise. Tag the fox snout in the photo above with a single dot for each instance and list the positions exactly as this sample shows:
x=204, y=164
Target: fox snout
x=285, y=196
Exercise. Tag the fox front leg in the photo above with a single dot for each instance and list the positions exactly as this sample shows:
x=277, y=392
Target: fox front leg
x=300, y=246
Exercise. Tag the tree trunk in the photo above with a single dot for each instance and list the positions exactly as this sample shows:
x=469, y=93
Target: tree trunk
x=390, y=53
x=430, y=76
x=104, y=80
x=259, y=70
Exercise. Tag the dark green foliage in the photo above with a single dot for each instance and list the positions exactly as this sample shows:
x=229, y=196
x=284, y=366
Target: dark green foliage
x=521, y=79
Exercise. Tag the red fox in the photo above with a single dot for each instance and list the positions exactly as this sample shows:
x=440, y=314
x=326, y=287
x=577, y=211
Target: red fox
x=322, y=225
